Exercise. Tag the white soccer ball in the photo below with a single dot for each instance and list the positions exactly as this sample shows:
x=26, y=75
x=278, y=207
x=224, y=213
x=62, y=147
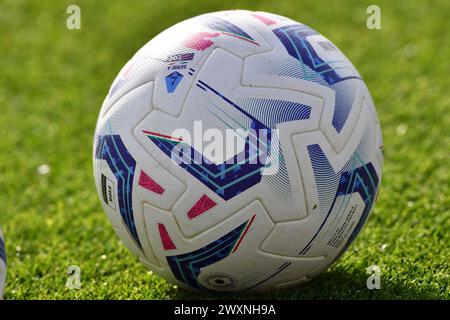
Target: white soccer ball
x=2, y=264
x=238, y=151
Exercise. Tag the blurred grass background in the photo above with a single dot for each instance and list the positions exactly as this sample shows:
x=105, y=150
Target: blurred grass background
x=53, y=81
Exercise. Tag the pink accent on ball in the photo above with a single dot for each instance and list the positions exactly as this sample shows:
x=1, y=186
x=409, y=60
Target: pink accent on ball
x=148, y=183
x=165, y=238
x=201, y=40
x=202, y=205
x=263, y=19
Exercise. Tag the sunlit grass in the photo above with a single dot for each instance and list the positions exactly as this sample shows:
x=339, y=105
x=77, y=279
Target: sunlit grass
x=52, y=84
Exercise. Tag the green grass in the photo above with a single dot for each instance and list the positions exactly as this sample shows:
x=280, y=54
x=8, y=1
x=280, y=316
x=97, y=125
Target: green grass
x=52, y=83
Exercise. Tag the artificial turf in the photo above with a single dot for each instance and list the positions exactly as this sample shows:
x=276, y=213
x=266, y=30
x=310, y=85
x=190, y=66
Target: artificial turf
x=52, y=83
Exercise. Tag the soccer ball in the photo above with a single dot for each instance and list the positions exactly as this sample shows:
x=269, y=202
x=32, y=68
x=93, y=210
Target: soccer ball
x=238, y=151
x=2, y=264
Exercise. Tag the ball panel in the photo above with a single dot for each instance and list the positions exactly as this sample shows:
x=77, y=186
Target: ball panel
x=2, y=265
